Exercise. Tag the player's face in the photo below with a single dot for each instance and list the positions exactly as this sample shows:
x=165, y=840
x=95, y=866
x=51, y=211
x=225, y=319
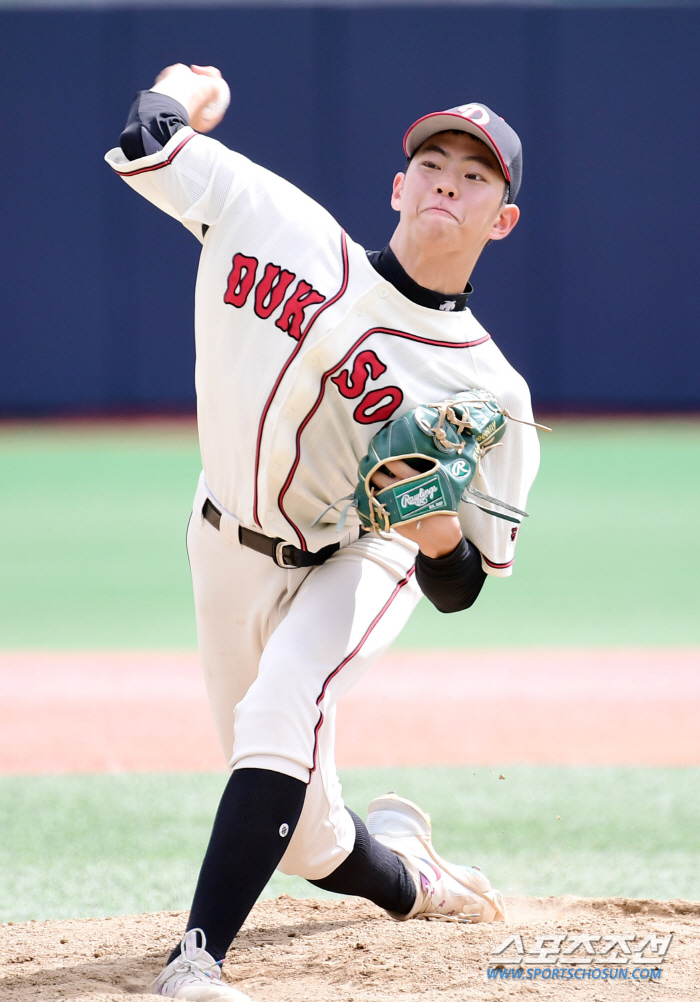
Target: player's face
x=452, y=192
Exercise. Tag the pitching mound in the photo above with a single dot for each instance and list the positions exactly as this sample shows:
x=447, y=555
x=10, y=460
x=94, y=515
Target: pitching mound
x=349, y=951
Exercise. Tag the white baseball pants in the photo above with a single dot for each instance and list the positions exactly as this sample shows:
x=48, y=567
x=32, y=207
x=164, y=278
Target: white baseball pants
x=280, y=647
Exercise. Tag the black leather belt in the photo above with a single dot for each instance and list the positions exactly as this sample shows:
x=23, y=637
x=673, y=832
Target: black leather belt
x=283, y=553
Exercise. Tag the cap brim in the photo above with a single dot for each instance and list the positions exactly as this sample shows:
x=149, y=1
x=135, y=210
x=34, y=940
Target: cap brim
x=444, y=121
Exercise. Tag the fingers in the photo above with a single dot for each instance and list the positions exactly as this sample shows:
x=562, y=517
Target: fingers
x=170, y=70
x=382, y=480
x=400, y=470
x=206, y=71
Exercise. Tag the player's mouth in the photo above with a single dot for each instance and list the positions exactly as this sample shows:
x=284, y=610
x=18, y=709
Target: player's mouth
x=440, y=210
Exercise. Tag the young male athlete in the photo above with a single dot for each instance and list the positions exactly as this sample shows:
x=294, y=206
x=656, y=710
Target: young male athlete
x=306, y=346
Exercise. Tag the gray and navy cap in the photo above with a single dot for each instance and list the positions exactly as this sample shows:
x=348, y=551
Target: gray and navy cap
x=481, y=122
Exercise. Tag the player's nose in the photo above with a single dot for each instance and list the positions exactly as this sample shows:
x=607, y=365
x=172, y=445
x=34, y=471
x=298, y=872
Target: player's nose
x=446, y=189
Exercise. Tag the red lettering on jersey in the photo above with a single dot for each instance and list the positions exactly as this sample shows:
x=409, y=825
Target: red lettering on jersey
x=353, y=384
x=293, y=314
x=271, y=289
x=241, y=279
x=364, y=413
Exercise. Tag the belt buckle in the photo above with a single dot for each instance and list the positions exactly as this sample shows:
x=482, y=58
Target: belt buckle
x=279, y=555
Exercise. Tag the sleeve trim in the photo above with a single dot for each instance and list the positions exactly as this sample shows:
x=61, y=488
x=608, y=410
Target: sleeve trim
x=499, y=567
x=163, y=163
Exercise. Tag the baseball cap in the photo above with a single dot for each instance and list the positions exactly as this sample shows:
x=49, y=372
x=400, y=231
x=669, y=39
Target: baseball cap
x=479, y=121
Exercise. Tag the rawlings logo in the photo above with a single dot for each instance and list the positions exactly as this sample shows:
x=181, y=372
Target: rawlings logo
x=423, y=496
x=460, y=468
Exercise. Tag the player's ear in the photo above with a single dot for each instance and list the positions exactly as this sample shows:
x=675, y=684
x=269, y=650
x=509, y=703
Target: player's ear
x=396, y=190
x=507, y=219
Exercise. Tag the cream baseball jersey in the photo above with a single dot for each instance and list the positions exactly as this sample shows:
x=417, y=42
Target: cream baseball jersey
x=304, y=351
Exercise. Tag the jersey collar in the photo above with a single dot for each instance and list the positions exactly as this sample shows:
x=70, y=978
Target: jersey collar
x=387, y=264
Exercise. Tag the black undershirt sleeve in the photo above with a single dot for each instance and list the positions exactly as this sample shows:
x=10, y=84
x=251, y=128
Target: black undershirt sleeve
x=153, y=120
x=452, y=582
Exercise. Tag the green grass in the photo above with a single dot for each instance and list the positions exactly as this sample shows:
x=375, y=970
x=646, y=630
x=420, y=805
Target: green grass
x=74, y=846
x=92, y=532
x=92, y=528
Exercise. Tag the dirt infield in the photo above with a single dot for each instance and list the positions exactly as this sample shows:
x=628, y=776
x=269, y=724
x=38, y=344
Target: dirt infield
x=349, y=951
x=147, y=711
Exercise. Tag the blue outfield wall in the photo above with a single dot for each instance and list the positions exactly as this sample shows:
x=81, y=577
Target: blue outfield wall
x=594, y=296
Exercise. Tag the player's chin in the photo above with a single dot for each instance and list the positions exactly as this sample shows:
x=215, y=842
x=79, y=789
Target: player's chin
x=438, y=225
x=438, y=217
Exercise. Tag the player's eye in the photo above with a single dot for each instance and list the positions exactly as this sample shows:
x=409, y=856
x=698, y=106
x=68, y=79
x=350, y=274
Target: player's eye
x=474, y=177
x=429, y=163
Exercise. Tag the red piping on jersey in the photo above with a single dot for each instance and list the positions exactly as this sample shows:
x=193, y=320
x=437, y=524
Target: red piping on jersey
x=498, y=566
x=283, y=370
x=404, y=581
x=324, y=379
x=165, y=163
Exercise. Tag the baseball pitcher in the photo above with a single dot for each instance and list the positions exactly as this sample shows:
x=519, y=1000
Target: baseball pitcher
x=363, y=442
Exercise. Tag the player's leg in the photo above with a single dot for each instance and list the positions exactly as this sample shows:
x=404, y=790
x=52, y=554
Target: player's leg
x=240, y=597
x=370, y=870
x=346, y=614
x=393, y=862
x=340, y=619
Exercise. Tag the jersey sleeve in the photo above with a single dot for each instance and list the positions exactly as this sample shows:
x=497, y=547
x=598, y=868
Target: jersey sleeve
x=507, y=472
x=192, y=178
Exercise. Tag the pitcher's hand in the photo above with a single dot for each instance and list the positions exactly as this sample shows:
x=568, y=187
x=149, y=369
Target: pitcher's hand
x=437, y=535
x=201, y=90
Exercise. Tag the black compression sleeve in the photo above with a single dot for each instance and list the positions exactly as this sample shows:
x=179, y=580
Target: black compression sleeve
x=452, y=582
x=372, y=871
x=255, y=821
x=153, y=120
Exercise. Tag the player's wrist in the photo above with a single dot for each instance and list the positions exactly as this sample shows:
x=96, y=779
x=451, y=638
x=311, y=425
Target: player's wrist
x=440, y=537
x=436, y=536
x=447, y=549
x=203, y=94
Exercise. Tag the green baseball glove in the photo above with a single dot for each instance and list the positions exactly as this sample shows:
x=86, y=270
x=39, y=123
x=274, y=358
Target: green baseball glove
x=444, y=443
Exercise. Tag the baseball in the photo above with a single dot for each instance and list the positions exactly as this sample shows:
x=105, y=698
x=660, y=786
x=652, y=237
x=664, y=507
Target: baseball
x=214, y=111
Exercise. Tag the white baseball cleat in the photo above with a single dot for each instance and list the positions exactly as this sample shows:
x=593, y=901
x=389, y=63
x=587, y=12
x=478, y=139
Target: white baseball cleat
x=194, y=976
x=443, y=890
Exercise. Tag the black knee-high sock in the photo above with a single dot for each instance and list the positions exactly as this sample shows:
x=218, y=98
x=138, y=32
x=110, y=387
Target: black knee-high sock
x=258, y=813
x=372, y=871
